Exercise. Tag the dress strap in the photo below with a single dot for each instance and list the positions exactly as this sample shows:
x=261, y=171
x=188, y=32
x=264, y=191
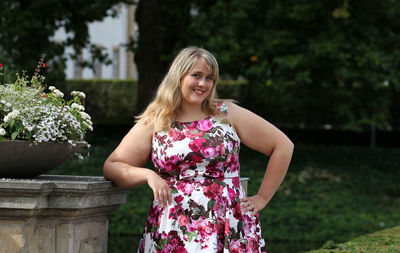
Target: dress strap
x=222, y=107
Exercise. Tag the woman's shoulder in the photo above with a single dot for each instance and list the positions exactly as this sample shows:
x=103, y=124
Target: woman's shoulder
x=224, y=105
x=143, y=128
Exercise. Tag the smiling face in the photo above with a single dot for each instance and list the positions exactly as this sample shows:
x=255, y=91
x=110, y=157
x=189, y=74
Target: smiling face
x=197, y=84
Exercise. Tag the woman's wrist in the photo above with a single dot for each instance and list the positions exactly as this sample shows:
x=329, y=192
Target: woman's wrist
x=149, y=174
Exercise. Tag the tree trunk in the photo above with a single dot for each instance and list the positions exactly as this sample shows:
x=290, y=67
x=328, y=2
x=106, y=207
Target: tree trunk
x=162, y=26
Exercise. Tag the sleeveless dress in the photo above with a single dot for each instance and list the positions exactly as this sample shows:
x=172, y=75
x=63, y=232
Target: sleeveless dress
x=199, y=161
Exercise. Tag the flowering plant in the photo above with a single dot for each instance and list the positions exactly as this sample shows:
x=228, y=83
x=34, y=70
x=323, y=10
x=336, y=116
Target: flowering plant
x=31, y=111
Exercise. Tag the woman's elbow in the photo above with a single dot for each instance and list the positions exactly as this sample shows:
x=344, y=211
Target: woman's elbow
x=107, y=169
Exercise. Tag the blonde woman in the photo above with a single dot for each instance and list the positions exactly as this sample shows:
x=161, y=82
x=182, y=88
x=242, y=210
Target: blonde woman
x=193, y=140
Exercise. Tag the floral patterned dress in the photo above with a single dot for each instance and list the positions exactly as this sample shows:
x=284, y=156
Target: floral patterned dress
x=199, y=161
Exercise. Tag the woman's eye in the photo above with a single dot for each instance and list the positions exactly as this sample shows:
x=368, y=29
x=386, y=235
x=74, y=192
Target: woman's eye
x=196, y=75
x=209, y=78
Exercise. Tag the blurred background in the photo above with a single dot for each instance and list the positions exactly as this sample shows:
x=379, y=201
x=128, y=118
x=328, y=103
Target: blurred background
x=325, y=72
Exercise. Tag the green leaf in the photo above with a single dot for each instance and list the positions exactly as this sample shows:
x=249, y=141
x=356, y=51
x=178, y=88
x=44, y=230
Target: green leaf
x=14, y=135
x=191, y=235
x=240, y=226
x=211, y=204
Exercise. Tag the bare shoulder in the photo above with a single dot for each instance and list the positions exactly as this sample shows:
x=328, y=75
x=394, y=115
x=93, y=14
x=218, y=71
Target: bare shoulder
x=253, y=130
x=236, y=114
x=135, y=147
x=145, y=131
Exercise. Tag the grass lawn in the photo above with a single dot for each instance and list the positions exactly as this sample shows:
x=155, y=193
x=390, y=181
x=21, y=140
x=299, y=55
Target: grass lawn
x=385, y=241
x=330, y=193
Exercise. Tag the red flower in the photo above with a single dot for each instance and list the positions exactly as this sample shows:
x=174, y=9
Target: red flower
x=1, y=64
x=44, y=95
x=196, y=144
x=213, y=191
x=183, y=220
x=44, y=65
x=178, y=199
x=237, y=211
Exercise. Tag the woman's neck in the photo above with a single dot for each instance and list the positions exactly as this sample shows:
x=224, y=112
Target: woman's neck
x=191, y=113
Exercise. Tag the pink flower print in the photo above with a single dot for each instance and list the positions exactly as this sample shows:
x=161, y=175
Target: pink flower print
x=231, y=193
x=174, y=159
x=176, y=135
x=174, y=244
x=191, y=226
x=215, y=173
x=186, y=188
x=213, y=191
x=205, y=125
x=196, y=158
x=191, y=125
x=161, y=163
x=235, y=247
x=221, y=149
x=196, y=144
x=178, y=199
x=237, y=211
x=227, y=231
x=230, y=146
x=194, y=133
x=236, y=182
x=219, y=165
x=205, y=228
x=183, y=220
x=208, y=152
x=252, y=245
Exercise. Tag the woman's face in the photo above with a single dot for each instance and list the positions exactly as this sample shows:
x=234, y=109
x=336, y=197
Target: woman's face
x=197, y=84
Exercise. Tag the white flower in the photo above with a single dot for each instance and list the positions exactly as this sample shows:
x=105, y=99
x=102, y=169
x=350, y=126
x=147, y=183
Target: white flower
x=58, y=93
x=85, y=116
x=87, y=125
x=78, y=94
x=77, y=107
x=11, y=115
x=50, y=120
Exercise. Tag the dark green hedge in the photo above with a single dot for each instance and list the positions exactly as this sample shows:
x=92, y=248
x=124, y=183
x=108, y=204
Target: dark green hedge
x=107, y=101
x=288, y=105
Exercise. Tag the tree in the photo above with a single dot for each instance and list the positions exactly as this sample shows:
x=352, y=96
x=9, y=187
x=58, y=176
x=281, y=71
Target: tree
x=345, y=50
x=162, y=29
x=27, y=27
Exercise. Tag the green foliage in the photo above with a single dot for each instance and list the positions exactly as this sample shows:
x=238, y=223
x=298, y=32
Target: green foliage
x=114, y=102
x=330, y=47
x=385, y=241
x=27, y=27
x=108, y=101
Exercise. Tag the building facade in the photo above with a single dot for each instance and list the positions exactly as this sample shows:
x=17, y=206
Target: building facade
x=111, y=34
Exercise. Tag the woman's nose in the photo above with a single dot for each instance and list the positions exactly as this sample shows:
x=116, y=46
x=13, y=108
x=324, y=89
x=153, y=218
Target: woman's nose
x=203, y=82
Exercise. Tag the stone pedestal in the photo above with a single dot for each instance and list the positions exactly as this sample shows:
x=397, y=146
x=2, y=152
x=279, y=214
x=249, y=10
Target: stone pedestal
x=56, y=214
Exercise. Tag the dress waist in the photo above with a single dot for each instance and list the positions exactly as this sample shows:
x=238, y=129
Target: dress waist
x=199, y=178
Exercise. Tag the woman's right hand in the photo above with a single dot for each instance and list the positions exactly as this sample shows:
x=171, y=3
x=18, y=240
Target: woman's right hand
x=162, y=192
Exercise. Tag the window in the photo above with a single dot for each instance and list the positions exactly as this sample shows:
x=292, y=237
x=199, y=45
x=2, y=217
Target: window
x=77, y=68
x=115, y=62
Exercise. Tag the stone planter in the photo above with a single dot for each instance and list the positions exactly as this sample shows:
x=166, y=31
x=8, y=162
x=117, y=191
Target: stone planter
x=23, y=159
x=57, y=214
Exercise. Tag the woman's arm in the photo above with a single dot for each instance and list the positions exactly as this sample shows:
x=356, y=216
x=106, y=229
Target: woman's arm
x=260, y=135
x=125, y=164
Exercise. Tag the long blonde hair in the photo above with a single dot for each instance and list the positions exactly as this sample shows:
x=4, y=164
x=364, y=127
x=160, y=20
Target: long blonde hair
x=163, y=109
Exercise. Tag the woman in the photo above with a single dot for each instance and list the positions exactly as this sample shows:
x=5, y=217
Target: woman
x=193, y=140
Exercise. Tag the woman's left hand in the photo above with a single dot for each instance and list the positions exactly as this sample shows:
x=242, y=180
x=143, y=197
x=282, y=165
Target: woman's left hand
x=253, y=204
